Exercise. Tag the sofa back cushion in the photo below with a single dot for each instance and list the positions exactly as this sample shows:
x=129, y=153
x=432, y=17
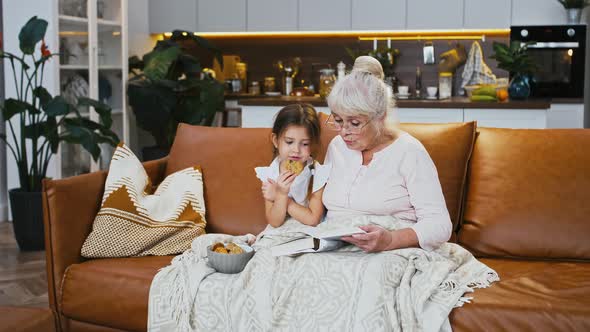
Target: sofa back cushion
x=227, y=156
x=528, y=194
x=449, y=146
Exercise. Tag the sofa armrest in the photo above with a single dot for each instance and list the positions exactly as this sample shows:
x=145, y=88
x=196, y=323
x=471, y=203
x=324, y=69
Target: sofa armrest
x=69, y=208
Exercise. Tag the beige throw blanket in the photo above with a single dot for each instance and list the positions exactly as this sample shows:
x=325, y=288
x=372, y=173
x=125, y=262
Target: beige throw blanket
x=343, y=290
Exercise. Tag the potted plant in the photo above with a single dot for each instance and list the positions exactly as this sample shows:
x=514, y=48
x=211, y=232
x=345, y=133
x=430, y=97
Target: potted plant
x=515, y=60
x=386, y=57
x=574, y=9
x=168, y=87
x=44, y=122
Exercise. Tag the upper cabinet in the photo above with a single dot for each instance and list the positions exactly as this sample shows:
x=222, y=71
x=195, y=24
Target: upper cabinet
x=221, y=15
x=435, y=14
x=486, y=14
x=315, y=15
x=537, y=12
x=271, y=15
x=378, y=14
x=165, y=17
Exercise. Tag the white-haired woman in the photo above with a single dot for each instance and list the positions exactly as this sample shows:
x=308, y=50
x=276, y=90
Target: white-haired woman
x=378, y=169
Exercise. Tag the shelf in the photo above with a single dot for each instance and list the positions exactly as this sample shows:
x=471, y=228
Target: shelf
x=73, y=67
x=74, y=20
x=109, y=67
x=103, y=22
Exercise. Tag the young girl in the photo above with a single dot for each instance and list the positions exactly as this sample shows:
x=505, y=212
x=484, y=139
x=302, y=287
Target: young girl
x=295, y=135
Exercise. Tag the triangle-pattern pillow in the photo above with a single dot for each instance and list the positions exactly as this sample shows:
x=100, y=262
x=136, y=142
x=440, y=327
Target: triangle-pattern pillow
x=132, y=221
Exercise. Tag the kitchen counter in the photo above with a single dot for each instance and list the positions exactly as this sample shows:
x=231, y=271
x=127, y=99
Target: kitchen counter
x=455, y=102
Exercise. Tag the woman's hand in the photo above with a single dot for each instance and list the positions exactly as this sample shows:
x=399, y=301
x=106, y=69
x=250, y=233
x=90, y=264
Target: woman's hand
x=375, y=240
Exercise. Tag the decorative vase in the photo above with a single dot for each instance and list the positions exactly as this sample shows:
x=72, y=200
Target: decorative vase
x=519, y=87
x=573, y=15
x=27, y=219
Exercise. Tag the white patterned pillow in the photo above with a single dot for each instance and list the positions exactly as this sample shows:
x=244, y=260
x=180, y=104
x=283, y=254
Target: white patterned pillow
x=134, y=222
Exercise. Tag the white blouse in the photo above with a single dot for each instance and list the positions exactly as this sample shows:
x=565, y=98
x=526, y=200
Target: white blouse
x=401, y=180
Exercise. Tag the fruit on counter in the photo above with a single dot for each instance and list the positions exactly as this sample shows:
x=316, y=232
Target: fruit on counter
x=483, y=98
x=502, y=95
x=485, y=91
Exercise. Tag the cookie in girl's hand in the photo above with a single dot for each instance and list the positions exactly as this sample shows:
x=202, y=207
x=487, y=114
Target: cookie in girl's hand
x=293, y=166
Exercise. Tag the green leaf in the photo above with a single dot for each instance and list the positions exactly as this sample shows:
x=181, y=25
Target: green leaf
x=43, y=95
x=190, y=65
x=159, y=63
x=31, y=33
x=103, y=110
x=135, y=63
x=57, y=106
x=13, y=106
x=79, y=134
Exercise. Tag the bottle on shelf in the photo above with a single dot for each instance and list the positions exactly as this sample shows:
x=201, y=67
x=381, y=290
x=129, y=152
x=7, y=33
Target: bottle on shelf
x=418, y=82
x=341, y=69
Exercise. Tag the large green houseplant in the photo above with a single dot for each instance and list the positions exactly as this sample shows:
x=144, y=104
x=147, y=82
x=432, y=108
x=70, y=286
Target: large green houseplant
x=36, y=123
x=167, y=88
x=515, y=60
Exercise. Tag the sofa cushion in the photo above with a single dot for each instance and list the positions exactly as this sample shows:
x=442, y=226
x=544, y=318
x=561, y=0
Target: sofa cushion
x=133, y=221
x=531, y=296
x=449, y=145
x=111, y=292
x=528, y=194
x=227, y=157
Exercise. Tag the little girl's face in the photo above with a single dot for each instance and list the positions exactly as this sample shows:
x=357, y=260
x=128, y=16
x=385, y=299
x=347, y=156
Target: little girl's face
x=293, y=144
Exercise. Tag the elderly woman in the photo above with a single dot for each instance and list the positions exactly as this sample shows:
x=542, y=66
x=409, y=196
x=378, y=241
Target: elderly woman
x=378, y=169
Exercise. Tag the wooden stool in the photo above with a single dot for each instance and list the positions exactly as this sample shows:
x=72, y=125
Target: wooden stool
x=21, y=319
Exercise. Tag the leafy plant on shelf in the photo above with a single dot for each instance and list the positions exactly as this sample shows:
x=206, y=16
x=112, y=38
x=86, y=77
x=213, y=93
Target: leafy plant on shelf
x=386, y=56
x=572, y=4
x=35, y=137
x=167, y=87
x=514, y=58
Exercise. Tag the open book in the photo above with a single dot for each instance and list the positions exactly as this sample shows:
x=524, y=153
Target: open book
x=315, y=240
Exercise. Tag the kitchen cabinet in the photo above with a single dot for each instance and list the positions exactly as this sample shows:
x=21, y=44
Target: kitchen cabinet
x=429, y=115
x=565, y=116
x=486, y=14
x=221, y=16
x=164, y=17
x=537, y=12
x=271, y=15
x=507, y=118
x=319, y=15
x=378, y=14
x=435, y=14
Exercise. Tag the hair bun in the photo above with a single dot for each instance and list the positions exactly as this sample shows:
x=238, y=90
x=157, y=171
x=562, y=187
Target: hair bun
x=368, y=64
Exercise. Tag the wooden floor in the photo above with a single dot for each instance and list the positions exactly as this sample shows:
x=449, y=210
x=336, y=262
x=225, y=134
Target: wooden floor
x=23, y=281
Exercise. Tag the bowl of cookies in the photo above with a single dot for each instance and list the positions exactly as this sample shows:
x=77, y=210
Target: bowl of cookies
x=229, y=257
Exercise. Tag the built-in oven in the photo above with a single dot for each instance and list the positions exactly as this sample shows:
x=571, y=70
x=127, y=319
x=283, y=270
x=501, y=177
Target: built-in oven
x=559, y=51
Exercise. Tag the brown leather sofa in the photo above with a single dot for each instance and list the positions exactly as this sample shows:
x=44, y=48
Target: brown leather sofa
x=520, y=200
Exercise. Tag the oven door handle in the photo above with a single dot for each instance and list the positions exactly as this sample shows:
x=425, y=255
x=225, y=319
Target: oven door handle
x=553, y=45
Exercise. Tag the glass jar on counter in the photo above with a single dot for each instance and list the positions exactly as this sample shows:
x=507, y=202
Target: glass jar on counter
x=270, y=84
x=254, y=88
x=445, y=85
x=327, y=80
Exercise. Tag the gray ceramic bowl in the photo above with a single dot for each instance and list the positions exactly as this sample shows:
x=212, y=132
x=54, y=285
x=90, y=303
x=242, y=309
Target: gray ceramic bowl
x=230, y=263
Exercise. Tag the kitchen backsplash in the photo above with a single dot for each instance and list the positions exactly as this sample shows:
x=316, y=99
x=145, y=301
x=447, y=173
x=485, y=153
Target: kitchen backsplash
x=261, y=54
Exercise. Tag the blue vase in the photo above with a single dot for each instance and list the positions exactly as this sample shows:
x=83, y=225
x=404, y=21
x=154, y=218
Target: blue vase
x=520, y=87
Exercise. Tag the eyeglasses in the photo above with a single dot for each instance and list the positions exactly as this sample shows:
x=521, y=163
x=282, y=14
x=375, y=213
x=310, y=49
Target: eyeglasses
x=352, y=126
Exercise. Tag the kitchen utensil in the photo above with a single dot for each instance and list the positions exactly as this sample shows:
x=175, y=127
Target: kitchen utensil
x=403, y=89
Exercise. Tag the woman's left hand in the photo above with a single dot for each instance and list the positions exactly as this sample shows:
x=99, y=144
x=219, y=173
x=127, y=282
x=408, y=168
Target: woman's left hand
x=375, y=240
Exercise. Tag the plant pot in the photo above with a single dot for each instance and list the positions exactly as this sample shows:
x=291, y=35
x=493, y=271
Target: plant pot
x=27, y=219
x=519, y=87
x=573, y=15
x=153, y=152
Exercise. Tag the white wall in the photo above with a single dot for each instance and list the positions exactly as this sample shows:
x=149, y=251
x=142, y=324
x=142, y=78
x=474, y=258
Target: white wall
x=15, y=15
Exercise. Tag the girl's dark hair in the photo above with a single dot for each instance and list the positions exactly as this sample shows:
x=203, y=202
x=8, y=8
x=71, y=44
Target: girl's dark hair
x=298, y=115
